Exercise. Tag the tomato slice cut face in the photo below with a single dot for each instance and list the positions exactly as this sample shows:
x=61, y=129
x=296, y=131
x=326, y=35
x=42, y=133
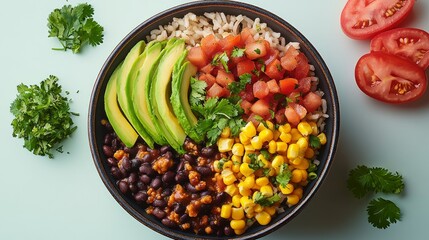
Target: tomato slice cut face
x=409, y=43
x=362, y=19
x=389, y=78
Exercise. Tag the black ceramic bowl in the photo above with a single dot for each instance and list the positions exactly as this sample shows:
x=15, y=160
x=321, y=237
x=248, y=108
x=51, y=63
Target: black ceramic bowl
x=97, y=113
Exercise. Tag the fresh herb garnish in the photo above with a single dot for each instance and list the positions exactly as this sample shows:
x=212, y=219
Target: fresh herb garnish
x=257, y=51
x=198, y=92
x=42, y=116
x=314, y=141
x=75, y=27
x=266, y=201
x=382, y=212
x=255, y=163
x=221, y=58
x=237, y=52
x=284, y=175
x=237, y=87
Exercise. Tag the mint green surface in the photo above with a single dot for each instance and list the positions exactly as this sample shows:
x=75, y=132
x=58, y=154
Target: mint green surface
x=64, y=198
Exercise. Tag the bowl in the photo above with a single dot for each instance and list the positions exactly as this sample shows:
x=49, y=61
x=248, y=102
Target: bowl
x=97, y=113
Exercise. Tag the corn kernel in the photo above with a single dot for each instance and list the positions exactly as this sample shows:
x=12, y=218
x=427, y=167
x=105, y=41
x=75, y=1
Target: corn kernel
x=237, y=224
x=292, y=199
x=256, y=142
x=225, y=211
x=239, y=231
x=295, y=134
x=264, y=161
x=270, y=124
x=244, y=191
x=235, y=168
x=238, y=149
x=249, y=182
x=304, y=174
x=303, y=164
x=232, y=190
x=298, y=191
x=236, y=201
x=272, y=147
x=303, y=145
x=309, y=153
x=216, y=166
x=322, y=138
x=226, y=132
x=295, y=161
x=236, y=159
x=228, y=164
x=281, y=147
x=285, y=128
x=228, y=177
x=292, y=151
x=237, y=213
x=258, y=208
x=296, y=176
x=262, y=181
x=261, y=126
x=271, y=210
x=250, y=214
x=288, y=189
x=266, y=190
x=304, y=128
x=244, y=139
x=263, y=218
x=246, y=158
x=277, y=161
x=315, y=129
x=225, y=144
x=266, y=135
x=246, y=203
x=285, y=137
x=249, y=148
x=245, y=169
x=249, y=129
x=276, y=135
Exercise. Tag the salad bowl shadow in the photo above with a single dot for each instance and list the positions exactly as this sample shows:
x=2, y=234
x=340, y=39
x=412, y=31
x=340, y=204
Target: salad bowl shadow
x=96, y=131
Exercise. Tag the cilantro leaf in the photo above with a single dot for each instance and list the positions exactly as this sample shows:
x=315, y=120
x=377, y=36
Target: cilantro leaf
x=255, y=163
x=74, y=27
x=382, y=212
x=42, y=116
x=363, y=179
x=198, y=92
x=221, y=58
x=257, y=51
x=284, y=175
x=314, y=141
x=237, y=52
x=266, y=201
x=237, y=87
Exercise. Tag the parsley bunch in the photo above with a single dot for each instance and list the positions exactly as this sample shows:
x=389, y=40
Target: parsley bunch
x=42, y=116
x=75, y=27
x=363, y=180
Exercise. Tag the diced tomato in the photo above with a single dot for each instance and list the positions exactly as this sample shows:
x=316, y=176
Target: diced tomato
x=288, y=61
x=246, y=66
x=288, y=85
x=295, y=97
x=299, y=109
x=246, y=105
x=210, y=45
x=275, y=70
x=273, y=86
x=217, y=91
x=207, y=68
x=208, y=78
x=312, y=101
x=280, y=116
x=254, y=118
x=247, y=36
x=247, y=94
x=274, y=54
x=302, y=68
x=197, y=57
x=256, y=50
x=304, y=84
x=223, y=78
x=261, y=108
x=229, y=42
x=260, y=89
x=291, y=116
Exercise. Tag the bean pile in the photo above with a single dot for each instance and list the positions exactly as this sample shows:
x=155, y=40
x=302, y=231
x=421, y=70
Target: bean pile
x=182, y=191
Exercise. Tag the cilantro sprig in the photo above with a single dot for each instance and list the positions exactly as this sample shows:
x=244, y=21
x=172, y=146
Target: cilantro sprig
x=74, y=27
x=42, y=116
x=363, y=180
x=266, y=201
x=237, y=87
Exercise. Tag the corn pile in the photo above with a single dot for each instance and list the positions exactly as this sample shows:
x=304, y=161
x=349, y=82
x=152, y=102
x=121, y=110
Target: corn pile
x=267, y=167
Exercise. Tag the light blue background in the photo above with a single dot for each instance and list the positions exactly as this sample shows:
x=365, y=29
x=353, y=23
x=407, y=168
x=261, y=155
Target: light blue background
x=64, y=198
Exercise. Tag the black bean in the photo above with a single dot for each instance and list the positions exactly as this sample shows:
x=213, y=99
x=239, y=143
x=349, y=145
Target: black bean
x=135, y=164
x=147, y=158
x=181, y=166
x=116, y=172
x=228, y=231
x=208, y=152
x=204, y=171
x=108, y=151
x=165, y=149
x=145, y=179
x=184, y=218
x=141, y=185
x=179, y=208
x=205, y=193
x=168, y=155
x=146, y=168
x=141, y=196
x=167, y=222
x=112, y=161
x=220, y=198
x=195, y=196
x=108, y=139
x=167, y=192
x=181, y=176
x=168, y=177
x=131, y=151
x=190, y=158
x=157, y=212
x=133, y=177
x=159, y=203
x=156, y=183
x=154, y=153
x=126, y=163
x=204, y=209
x=115, y=144
x=123, y=186
x=133, y=187
x=191, y=188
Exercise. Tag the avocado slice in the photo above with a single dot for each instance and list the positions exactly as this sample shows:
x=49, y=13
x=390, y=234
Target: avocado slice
x=125, y=83
x=182, y=73
x=119, y=122
x=140, y=103
x=159, y=96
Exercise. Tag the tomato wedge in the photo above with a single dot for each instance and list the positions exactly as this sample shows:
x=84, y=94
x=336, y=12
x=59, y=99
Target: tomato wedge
x=363, y=19
x=409, y=43
x=389, y=78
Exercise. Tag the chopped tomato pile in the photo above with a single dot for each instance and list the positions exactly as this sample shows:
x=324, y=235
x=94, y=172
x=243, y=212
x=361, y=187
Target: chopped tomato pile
x=275, y=87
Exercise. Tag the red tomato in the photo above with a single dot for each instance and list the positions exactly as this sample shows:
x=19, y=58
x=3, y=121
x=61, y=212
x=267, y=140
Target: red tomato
x=260, y=89
x=229, y=42
x=362, y=19
x=246, y=66
x=299, y=109
x=311, y=101
x=217, y=91
x=409, y=43
x=223, y=78
x=207, y=68
x=261, y=108
x=389, y=78
x=197, y=57
x=295, y=97
x=247, y=36
x=246, y=105
x=288, y=85
x=292, y=116
x=288, y=61
x=210, y=45
x=275, y=70
x=304, y=84
x=273, y=86
x=274, y=54
x=256, y=50
x=208, y=78
x=302, y=68
x=247, y=94
x=280, y=116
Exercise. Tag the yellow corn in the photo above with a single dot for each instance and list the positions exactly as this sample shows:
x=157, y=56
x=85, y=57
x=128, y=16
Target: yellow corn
x=285, y=128
x=250, y=214
x=266, y=135
x=258, y=208
x=285, y=137
x=246, y=203
x=296, y=176
x=236, y=168
x=281, y=147
x=276, y=135
x=303, y=164
x=270, y=124
x=292, y=199
x=225, y=211
x=228, y=176
x=271, y=210
x=239, y=231
x=272, y=147
x=266, y=190
x=238, y=149
x=249, y=181
x=244, y=191
x=237, y=213
x=226, y=132
x=236, y=159
x=295, y=161
x=265, y=161
x=236, y=201
x=304, y=128
x=288, y=189
x=292, y=151
x=249, y=148
x=277, y=162
x=322, y=138
x=303, y=145
x=263, y=218
x=237, y=224
x=216, y=166
x=256, y=142
x=227, y=164
x=298, y=191
x=315, y=129
x=225, y=144
x=304, y=174
x=245, y=169
x=295, y=134
x=249, y=129
x=232, y=190
x=262, y=181
x=246, y=158
x=244, y=139
x=309, y=153
x=261, y=127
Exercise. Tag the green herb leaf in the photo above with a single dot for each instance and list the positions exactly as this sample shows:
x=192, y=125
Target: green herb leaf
x=42, y=116
x=237, y=52
x=266, y=201
x=284, y=175
x=237, y=87
x=314, y=142
x=255, y=163
x=257, y=51
x=198, y=92
x=382, y=213
x=221, y=58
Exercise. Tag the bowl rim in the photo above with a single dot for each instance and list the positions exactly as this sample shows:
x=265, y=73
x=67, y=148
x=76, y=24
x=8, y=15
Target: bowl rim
x=169, y=13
